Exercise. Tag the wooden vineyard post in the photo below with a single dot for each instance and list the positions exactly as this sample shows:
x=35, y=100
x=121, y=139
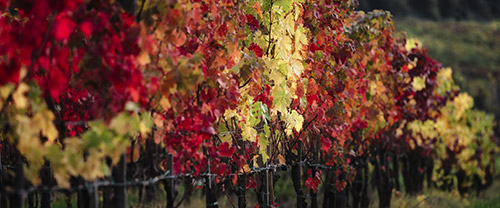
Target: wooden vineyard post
x=119, y=176
x=169, y=183
x=395, y=164
x=241, y=188
x=265, y=194
x=328, y=194
x=270, y=178
x=297, y=181
x=270, y=187
x=314, y=200
x=241, y=191
x=17, y=198
x=365, y=201
x=302, y=195
x=46, y=175
x=94, y=196
x=89, y=197
x=211, y=196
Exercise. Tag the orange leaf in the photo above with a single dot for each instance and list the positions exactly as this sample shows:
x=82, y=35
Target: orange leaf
x=245, y=169
x=178, y=38
x=281, y=160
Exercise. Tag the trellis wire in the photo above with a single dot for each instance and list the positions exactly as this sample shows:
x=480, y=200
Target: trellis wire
x=164, y=176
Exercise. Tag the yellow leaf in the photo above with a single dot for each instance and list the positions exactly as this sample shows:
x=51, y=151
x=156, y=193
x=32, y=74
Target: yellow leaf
x=249, y=133
x=412, y=144
x=447, y=73
x=160, y=33
x=231, y=113
x=277, y=76
x=144, y=129
x=412, y=43
x=418, y=83
x=284, y=48
x=462, y=103
x=263, y=144
x=165, y=103
x=224, y=133
x=294, y=121
x=44, y=120
x=62, y=179
x=296, y=67
x=121, y=124
x=399, y=132
x=300, y=38
x=19, y=97
x=413, y=63
x=5, y=90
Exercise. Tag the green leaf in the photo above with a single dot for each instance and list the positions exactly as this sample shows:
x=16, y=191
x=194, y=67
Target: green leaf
x=263, y=144
x=286, y=5
x=281, y=98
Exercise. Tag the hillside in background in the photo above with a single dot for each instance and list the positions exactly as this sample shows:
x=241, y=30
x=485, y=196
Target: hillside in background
x=437, y=9
x=461, y=34
x=471, y=48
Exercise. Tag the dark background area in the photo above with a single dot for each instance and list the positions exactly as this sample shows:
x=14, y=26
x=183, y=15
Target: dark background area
x=437, y=9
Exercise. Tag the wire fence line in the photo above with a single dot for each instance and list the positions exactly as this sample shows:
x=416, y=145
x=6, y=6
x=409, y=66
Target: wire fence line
x=157, y=179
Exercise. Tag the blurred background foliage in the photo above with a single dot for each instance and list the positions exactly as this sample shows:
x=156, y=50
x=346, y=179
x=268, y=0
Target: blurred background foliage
x=461, y=34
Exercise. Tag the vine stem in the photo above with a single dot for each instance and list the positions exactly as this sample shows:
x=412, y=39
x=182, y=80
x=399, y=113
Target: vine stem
x=270, y=28
x=138, y=17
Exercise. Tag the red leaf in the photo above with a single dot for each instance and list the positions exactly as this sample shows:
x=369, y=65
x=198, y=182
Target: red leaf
x=225, y=150
x=86, y=28
x=311, y=98
x=251, y=183
x=359, y=124
x=264, y=96
x=300, y=90
x=313, y=47
x=63, y=27
x=325, y=144
x=3, y=4
x=252, y=22
x=313, y=181
x=222, y=169
x=405, y=68
x=55, y=83
x=134, y=94
x=256, y=49
x=222, y=30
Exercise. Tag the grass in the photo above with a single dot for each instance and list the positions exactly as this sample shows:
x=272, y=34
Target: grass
x=464, y=44
x=492, y=203
x=436, y=198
